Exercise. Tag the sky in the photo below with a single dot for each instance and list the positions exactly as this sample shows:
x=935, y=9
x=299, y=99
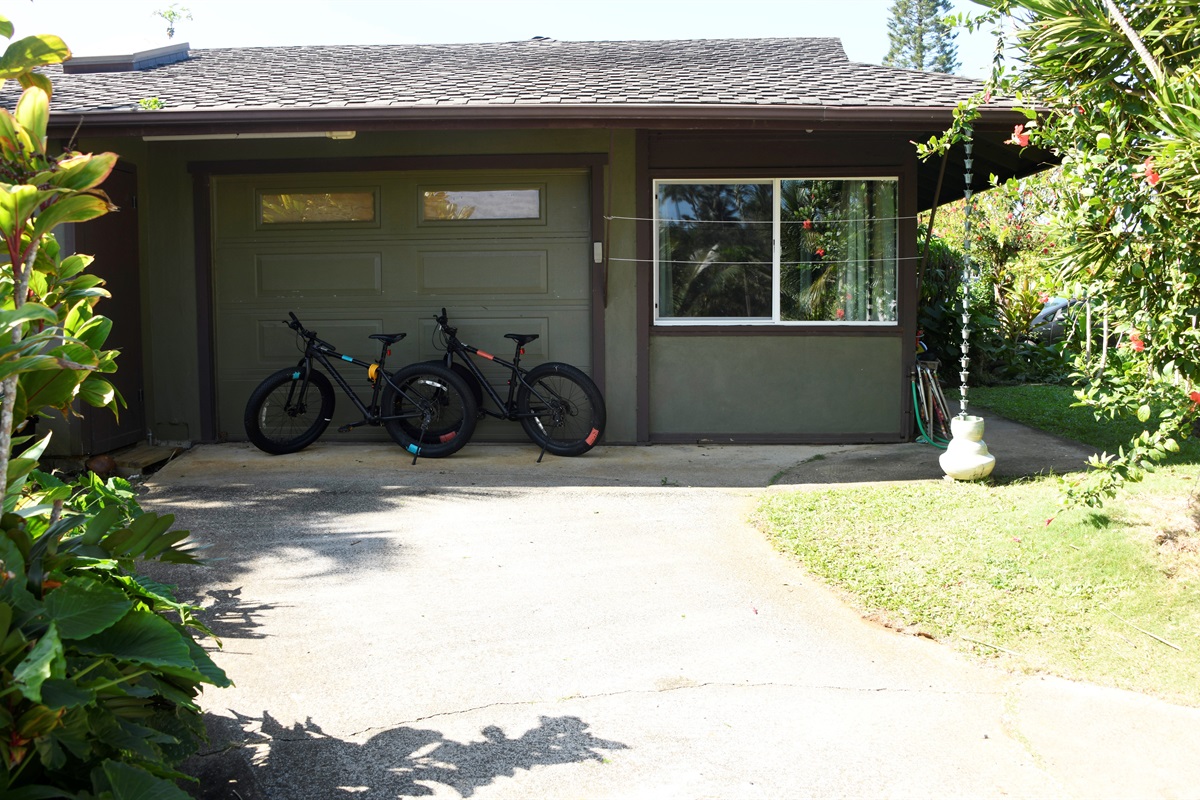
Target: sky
x=112, y=27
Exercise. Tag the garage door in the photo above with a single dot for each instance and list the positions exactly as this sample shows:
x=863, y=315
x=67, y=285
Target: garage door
x=360, y=253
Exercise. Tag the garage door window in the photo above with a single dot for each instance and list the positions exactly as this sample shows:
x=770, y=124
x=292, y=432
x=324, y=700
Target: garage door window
x=449, y=205
x=316, y=207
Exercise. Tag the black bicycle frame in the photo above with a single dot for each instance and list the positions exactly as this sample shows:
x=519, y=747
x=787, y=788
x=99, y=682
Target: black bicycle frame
x=322, y=351
x=508, y=408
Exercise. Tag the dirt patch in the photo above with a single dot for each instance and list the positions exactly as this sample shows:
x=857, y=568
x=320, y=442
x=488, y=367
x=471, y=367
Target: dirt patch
x=1172, y=523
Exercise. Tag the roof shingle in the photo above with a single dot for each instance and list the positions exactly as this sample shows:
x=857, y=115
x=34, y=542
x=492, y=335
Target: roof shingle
x=804, y=72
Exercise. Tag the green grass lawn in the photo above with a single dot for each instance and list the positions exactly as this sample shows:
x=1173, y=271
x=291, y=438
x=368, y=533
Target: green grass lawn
x=1049, y=408
x=1106, y=596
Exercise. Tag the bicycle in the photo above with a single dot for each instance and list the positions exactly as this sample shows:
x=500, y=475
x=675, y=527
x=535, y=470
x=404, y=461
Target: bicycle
x=425, y=408
x=560, y=407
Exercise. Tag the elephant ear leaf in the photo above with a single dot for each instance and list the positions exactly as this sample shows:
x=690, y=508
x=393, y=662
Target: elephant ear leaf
x=81, y=609
x=127, y=782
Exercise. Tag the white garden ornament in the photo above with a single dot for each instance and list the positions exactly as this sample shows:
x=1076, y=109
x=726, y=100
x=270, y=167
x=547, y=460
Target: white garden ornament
x=966, y=457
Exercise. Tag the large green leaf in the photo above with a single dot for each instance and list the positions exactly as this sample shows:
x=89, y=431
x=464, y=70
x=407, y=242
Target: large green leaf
x=35, y=793
x=99, y=393
x=33, y=114
x=128, y=782
x=11, y=318
x=19, y=469
x=32, y=51
x=6, y=27
x=141, y=637
x=76, y=208
x=65, y=693
x=140, y=535
x=82, y=608
x=17, y=204
x=91, y=329
x=83, y=171
x=44, y=661
x=211, y=672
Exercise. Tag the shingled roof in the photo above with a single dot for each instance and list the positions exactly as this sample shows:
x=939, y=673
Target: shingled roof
x=804, y=73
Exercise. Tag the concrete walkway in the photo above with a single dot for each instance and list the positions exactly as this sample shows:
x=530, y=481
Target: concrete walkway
x=609, y=626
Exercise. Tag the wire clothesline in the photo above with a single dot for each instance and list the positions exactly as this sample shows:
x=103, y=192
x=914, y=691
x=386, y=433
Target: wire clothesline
x=762, y=221
x=768, y=262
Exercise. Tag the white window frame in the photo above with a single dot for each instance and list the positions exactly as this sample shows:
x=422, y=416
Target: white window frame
x=776, y=256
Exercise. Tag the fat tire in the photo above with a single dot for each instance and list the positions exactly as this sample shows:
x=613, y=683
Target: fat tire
x=272, y=428
x=573, y=420
x=455, y=411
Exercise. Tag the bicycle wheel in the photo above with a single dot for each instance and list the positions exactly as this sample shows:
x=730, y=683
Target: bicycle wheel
x=561, y=409
x=286, y=413
x=430, y=409
x=468, y=378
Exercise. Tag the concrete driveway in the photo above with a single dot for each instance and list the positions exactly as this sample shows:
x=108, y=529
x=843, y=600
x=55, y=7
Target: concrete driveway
x=610, y=626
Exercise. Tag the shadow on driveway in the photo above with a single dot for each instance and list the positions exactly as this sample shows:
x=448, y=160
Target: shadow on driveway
x=255, y=758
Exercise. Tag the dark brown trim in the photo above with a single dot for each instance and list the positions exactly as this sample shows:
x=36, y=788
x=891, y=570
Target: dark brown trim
x=644, y=312
x=624, y=115
x=598, y=274
x=908, y=292
x=781, y=171
x=777, y=438
x=780, y=331
x=264, y=166
x=202, y=230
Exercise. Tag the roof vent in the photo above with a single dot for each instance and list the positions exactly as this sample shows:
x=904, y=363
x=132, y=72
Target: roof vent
x=541, y=39
x=146, y=59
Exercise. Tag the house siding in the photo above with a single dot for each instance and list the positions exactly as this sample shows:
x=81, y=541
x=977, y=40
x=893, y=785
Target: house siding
x=659, y=384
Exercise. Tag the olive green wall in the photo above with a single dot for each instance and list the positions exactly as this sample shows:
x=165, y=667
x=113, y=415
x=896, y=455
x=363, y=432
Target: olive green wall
x=771, y=385
x=813, y=386
x=168, y=250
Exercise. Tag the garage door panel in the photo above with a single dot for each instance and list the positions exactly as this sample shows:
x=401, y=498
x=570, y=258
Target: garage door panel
x=268, y=275
x=474, y=272
x=503, y=273
x=291, y=274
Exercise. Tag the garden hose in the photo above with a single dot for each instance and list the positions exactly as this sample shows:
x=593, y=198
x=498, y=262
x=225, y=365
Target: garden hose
x=924, y=437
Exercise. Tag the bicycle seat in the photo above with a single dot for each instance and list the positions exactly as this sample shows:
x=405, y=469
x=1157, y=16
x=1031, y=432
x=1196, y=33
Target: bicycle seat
x=388, y=338
x=521, y=339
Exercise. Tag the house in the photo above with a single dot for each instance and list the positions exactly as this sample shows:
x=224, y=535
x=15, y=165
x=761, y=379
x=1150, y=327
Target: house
x=721, y=232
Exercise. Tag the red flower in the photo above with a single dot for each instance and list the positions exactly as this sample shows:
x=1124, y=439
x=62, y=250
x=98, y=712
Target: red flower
x=1043, y=297
x=1195, y=397
x=1152, y=176
x=808, y=224
x=841, y=313
x=1020, y=136
x=821, y=252
x=987, y=96
x=1136, y=343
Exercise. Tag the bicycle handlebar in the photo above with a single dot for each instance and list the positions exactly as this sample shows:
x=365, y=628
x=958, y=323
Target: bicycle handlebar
x=442, y=322
x=298, y=327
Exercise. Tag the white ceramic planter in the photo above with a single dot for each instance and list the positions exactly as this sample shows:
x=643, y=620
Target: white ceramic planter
x=967, y=457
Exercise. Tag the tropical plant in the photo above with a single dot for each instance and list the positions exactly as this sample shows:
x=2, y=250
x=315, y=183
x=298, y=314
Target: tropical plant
x=172, y=14
x=1113, y=89
x=919, y=36
x=99, y=669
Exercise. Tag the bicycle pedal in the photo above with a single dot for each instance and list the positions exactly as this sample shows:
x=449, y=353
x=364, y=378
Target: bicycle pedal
x=345, y=429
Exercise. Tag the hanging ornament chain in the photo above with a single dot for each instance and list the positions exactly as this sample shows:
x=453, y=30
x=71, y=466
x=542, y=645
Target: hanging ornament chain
x=968, y=276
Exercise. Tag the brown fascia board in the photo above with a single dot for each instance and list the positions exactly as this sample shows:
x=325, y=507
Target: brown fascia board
x=631, y=115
